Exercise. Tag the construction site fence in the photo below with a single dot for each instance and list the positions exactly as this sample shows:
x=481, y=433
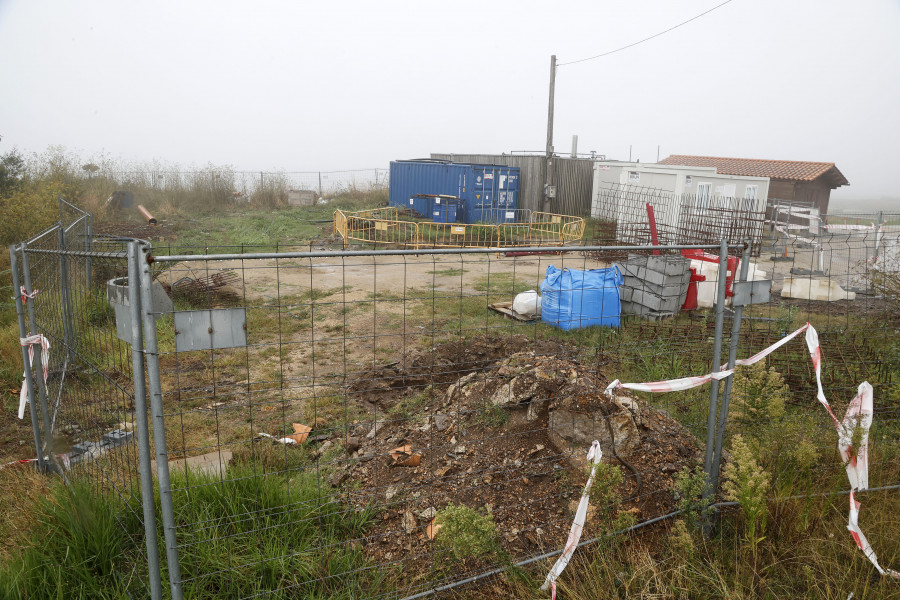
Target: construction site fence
x=288, y=424
x=384, y=226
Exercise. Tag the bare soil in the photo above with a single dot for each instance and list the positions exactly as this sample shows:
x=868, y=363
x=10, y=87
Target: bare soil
x=506, y=465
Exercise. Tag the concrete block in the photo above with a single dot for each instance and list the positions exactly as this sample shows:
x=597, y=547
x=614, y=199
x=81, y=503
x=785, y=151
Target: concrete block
x=654, y=301
x=807, y=288
x=117, y=437
x=676, y=288
x=668, y=264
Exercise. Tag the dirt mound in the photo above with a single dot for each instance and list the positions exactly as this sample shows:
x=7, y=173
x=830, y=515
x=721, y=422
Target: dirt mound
x=444, y=364
x=506, y=436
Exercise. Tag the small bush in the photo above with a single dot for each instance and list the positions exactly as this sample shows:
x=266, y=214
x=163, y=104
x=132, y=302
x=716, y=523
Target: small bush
x=747, y=483
x=606, y=499
x=689, y=486
x=681, y=541
x=466, y=533
x=758, y=394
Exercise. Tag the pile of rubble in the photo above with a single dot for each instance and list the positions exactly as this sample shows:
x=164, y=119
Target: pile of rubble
x=506, y=436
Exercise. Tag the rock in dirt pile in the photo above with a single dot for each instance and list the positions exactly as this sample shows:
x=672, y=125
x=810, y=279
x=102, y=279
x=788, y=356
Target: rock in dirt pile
x=505, y=430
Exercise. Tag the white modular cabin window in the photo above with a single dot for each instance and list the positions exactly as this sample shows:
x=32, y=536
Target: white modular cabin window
x=703, y=195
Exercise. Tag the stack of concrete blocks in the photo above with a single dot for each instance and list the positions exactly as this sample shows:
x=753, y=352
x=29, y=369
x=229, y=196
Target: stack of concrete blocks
x=654, y=286
x=84, y=451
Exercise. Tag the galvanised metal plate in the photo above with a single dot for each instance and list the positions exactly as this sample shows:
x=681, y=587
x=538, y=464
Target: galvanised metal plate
x=751, y=292
x=210, y=329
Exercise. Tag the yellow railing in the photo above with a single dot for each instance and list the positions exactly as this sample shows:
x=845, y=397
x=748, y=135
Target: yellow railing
x=564, y=228
x=457, y=235
x=383, y=226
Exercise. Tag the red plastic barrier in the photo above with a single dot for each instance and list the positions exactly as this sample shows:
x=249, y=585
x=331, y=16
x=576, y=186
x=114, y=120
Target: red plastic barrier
x=731, y=269
x=690, y=300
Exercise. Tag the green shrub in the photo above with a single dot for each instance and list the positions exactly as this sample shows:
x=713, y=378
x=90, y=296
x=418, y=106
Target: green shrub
x=689, y=486
x=466, y=533
x=747, y=484
x=758, y=394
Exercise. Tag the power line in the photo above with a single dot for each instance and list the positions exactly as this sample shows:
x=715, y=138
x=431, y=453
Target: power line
x=656, y=35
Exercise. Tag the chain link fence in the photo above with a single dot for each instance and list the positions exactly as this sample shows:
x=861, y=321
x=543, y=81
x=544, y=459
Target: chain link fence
x=379, y=423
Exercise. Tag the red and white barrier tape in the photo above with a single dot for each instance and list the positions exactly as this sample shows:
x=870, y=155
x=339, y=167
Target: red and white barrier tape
x=797, y=237
x=17, y=462
x=861, y=541
x=594, y=455
x=859, y=416
x=26, y=295
x=31, y=341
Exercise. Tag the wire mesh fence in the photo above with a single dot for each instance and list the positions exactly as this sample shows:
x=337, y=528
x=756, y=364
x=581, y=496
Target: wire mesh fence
x=83, y=408
x=382, y=423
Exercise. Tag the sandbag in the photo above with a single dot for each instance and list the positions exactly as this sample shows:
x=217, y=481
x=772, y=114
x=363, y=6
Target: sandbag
x=572, y=298
x=527, y=304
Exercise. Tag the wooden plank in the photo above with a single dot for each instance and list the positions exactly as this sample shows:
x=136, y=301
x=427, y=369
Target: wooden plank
x=505, y=309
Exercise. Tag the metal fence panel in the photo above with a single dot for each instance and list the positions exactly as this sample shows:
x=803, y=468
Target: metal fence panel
x=381, y=394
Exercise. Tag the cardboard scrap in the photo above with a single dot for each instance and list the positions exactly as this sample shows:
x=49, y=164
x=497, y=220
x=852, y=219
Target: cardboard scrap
x=432, y=529
x=404, y=457
x=301, y=432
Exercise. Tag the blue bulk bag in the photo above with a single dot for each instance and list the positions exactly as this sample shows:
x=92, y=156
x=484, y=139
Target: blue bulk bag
x=571, y=298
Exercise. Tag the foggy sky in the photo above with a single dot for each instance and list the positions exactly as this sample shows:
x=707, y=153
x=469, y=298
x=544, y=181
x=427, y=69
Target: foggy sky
x=331, y=85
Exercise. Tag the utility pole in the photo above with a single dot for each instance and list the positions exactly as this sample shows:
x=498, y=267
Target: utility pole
x=549, y=188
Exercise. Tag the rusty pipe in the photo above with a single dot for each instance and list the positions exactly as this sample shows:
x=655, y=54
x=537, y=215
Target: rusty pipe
x=146, y=214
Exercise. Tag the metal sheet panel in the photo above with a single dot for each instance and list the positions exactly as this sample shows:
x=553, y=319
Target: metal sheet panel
x=574, y=178
x=751, y=292
x=210, y=329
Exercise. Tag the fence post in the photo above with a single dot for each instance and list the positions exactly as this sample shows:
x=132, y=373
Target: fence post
x=878, y=234
x=151, y=355
x=140, y=415
x=716, y=362
x=320, y=184
x=729, y=381
x=88, y=247
x=38, y=351
x=29, y=381
x=64, y=291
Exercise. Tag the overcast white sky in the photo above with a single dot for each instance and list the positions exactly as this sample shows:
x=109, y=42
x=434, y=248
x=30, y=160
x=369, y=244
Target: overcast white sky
x=341, y=85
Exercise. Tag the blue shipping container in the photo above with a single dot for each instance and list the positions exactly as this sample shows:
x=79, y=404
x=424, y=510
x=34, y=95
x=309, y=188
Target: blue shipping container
x=571, y=298
x=485, y=190
x=446, y=210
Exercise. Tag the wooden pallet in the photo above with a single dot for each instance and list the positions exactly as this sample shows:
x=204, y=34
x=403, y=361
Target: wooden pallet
x=505, y=309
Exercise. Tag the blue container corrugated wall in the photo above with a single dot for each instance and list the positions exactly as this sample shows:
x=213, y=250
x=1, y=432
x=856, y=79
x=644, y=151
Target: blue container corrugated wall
x=495, y=188
x=446, y=210
x=572, y=298
x=485, y=190
x=410, y=178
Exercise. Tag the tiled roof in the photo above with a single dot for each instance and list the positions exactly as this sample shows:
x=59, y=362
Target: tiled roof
x=794, y=170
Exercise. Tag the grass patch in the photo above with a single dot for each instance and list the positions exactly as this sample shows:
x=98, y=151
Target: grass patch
x=267, y=527
x=77, y=545
x=448, y=272
x=257, y=533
